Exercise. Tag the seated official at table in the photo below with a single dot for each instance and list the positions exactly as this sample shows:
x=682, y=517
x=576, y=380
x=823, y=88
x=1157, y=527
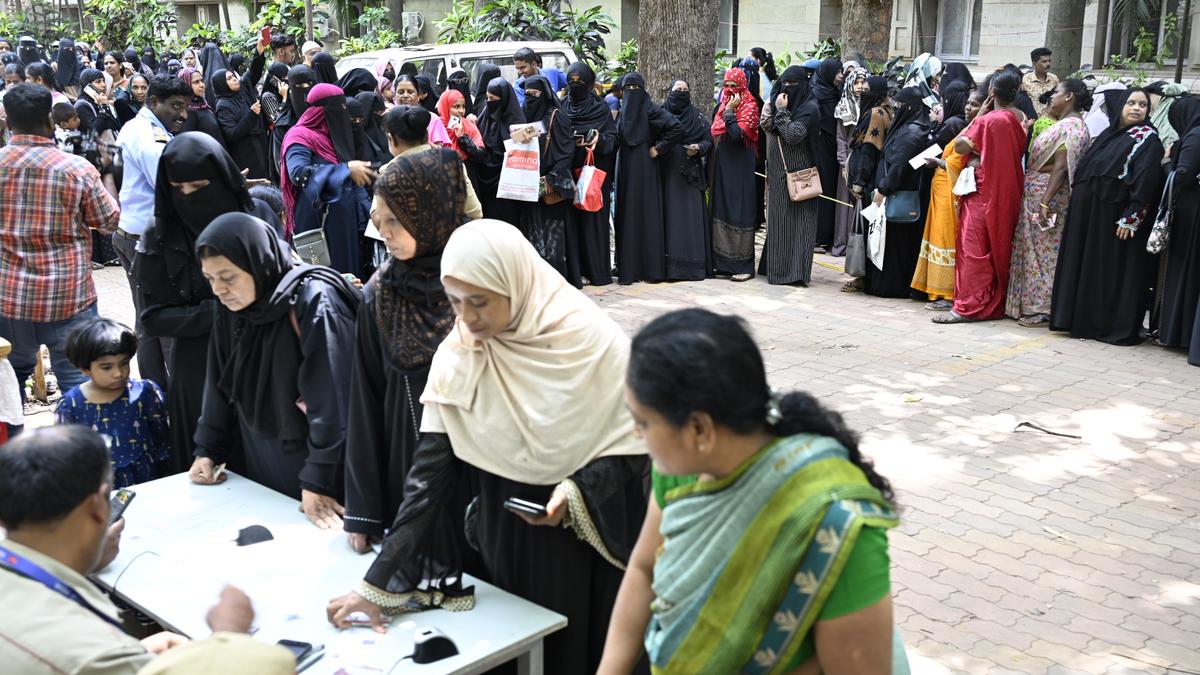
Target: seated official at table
x=280, y=355
x=54, y=502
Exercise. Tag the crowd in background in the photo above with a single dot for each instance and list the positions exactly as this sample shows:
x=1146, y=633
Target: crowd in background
x=394, y=407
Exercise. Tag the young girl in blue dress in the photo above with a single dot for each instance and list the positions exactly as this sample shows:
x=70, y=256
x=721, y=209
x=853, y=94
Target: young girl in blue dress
x=128, y=411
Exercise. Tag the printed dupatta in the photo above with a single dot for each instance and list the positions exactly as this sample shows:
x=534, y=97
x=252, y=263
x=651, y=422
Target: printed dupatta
x=1071, y=132
x=732, y=593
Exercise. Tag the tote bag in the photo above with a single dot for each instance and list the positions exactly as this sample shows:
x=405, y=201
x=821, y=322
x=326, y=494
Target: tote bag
x=856, y=249
x=589, y=186
x=520, y=175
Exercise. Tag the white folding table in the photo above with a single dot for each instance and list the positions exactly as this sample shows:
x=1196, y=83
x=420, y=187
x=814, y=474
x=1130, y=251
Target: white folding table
x=178, y=551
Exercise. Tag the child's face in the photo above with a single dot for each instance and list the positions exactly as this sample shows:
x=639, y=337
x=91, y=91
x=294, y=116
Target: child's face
x=71, y=124
x=110, y=373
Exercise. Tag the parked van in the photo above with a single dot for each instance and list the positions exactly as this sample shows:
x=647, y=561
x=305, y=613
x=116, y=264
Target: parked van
x=437, y=61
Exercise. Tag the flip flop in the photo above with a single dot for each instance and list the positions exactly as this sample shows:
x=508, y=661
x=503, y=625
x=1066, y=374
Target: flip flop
x=854, y=286
x=741, y=277
x=951, y=317
x=939, y=306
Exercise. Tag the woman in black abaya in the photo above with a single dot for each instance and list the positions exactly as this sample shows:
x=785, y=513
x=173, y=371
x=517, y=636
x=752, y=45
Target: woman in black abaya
x=1181, y=278
x=544, y=224
x=500, y=112
x=588, y=254
x=790, y=121
x=1101, y=285
x=373, y=108
x=300, y=79
x=240, y=115
x=641, y=232
x=322, y=65
x=280, y=346
x=484, y=74
x=684, y=183
x=178, y=301
x=404, y=317
x=827, y=91
x=908, y=135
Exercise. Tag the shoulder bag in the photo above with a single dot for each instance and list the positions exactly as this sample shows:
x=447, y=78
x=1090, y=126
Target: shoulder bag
x=311, y=244
x=802, y=185
x=1160, y=234
x=903, y=206
x=550, y=196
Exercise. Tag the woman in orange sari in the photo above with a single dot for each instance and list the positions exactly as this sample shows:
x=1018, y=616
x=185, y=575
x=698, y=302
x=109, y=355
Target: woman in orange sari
x=935, y=267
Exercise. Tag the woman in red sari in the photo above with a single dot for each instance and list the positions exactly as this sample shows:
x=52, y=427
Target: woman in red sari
x=988, y=216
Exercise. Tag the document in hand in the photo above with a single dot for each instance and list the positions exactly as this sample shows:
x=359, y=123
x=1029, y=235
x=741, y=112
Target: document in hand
x=934, y=150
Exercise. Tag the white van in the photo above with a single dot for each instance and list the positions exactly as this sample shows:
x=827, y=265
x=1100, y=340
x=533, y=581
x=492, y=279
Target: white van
x=438, y=61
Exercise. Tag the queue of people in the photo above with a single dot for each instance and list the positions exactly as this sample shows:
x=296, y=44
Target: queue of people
x=405, y=410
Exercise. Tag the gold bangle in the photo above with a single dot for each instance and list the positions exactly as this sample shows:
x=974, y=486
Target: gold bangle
x=1044, y=206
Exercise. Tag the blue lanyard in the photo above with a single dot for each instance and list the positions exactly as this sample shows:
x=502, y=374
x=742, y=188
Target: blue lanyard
x=13, y=562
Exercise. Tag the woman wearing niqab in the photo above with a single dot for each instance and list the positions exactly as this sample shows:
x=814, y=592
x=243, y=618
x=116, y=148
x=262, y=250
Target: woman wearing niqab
x=684, y=174
x=827, y=91
x=178, y=301
x=545, y=224
x=1180, y=290
x=562, y=356
x=589, y=259
x=494, y=124
x=735, y=211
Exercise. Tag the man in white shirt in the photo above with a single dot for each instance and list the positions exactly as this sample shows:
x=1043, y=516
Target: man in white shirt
x=142, y=140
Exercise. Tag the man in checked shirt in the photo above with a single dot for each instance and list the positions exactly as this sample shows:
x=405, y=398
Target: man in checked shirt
x=49, y=203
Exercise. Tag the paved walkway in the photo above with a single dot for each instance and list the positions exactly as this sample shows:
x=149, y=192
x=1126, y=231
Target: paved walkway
x=1021, y=551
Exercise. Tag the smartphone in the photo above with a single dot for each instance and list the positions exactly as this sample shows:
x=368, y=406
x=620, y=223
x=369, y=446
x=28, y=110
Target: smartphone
x=525, y=507
x=306, y=653
x=1050, y=223
x=266, y=34
x=119, y=502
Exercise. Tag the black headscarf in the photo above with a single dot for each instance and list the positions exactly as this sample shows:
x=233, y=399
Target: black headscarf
x=150, y=59
x=586, y=109
x=1111, y=152
x=322, y=65
x=169, y=244
x=211, y=60
x=373, y=105
x=341, y=131
x=362, y=148
x=356, y=81
x=220, y=84
x=498, y=116
x=131, y=57
x=484, y=74
x=954, y=111
x=957, y=72
x=1184, y=115
x=425, y=87
x=261, y=373
x=276, y=72
x=679, y=104
x=236, y=61
x=68, y=64
x=461, y=82
x=797, y=92
x=27, y=51
x=426, y=192
x=539, y=108
x=826, y=92
x=297, y=101
x=909, y=133
x=634, y=120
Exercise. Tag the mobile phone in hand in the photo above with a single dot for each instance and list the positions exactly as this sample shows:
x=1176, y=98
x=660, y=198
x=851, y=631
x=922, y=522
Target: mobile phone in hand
x=119, y=502
x=523, y=507
x=266, y=34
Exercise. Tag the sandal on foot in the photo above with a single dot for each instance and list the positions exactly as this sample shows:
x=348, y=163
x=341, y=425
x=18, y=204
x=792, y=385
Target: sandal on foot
x=1035, y=321
x=853, y=286
x=939, y=306
x=951, y=317
x=741, y=277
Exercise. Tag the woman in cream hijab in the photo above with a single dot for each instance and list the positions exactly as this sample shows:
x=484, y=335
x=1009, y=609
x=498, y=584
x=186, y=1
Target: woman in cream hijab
x=524, y=400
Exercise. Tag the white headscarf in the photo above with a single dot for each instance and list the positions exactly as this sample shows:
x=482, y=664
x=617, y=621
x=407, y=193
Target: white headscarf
x=1097, y=118
x=544, y=397
x=847, y=109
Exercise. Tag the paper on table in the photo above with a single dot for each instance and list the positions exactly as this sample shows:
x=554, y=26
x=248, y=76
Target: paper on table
x=932, y=151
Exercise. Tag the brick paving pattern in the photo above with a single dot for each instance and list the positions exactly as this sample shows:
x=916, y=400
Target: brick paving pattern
x=1020, y=551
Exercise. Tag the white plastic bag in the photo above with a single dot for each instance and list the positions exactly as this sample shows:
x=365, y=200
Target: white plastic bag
x=966, y=182
x=520, y=175
x=876, y=217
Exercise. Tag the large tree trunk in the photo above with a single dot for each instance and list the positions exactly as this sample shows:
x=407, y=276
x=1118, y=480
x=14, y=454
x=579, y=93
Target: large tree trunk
x=1100, y=44
x=866, y=29
x=396, y=15
x=678, y=40
x=1064, y=35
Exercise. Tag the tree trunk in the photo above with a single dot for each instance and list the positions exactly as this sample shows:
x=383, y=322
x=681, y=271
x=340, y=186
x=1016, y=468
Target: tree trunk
x=678, y=40
x=1064, y=35
x=225, y=11
x=396, y=15
x=866, y=30
x=1100, y=45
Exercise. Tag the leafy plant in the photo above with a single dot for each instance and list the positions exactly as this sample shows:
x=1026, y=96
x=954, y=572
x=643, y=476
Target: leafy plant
x=584, y=30
x=131, y=22
x=625, y=61
x=283, y=15
x=375, y=25
x=514, y=20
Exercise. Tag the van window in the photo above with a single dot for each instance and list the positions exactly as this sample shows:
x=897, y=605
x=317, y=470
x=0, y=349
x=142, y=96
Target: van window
x=433, y=68
x=507, y=69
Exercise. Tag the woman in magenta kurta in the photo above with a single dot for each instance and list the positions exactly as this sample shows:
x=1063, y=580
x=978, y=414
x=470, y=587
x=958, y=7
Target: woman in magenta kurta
x=987, y=217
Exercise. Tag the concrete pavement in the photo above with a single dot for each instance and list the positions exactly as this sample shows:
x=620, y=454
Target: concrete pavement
x=1020, y=550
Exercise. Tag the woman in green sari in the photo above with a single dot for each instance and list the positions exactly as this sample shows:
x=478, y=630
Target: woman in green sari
x=765, y=547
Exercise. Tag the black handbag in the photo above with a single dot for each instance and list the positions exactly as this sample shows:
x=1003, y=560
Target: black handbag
x=903, y=206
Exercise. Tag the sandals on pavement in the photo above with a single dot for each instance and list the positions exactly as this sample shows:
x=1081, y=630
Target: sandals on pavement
x=741, y=277
x=939, y=306
x=951, y=317
x=853, y=286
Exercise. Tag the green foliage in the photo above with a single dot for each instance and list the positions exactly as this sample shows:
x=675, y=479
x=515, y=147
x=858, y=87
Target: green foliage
x=1126, y=69
x=375, y=24
x=515, y=20
x=625, y=61
x=131, y=22
x=285, y=16
x=39, y=19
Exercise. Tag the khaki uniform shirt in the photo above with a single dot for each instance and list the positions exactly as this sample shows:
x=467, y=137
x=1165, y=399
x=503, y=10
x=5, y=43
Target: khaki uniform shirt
x=42, y=631
x=1035, y=88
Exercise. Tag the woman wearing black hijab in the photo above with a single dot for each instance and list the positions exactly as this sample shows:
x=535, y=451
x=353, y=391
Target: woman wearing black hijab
x=358, y=123
x=322, y=65
x=356, y=81
x=827, y=90
x=150, y=59
x=177, y=300
x=544, y=223
x=684, y=184
x=1181, y=277
x=95, y=110
x=640, y=230
x=211, y=59
x=130, y=101
x=425, y=94
x=279, y=348
x=484, y=74
x=240, y=115
x=790, y=120
x=300, y=79
x=588, y=254
x=373, y=108
x=910, y=133
x=500, y=112
x=69, y=69
x=1102, y=282
x=957, y=72
x=461, y=82
x=404, y=317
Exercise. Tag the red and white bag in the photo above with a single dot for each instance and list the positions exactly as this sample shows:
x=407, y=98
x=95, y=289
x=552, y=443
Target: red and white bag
x=520, y=175
x=589, y=186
